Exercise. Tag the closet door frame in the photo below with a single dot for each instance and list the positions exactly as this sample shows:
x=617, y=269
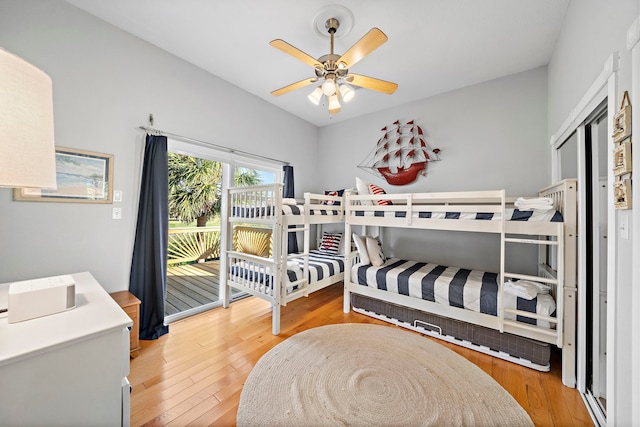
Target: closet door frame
x=605, y=87
x=633, y=45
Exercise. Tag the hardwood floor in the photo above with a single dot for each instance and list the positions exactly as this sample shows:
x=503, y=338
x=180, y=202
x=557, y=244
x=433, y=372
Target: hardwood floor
x=194, y=374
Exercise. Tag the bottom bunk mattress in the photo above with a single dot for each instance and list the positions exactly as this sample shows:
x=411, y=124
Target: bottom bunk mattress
x=259, y=277
x=534, y=351
x=457, y=287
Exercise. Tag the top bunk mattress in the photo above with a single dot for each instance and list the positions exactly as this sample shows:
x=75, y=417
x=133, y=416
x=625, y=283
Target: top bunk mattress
x=510, y=215
x=287, y=210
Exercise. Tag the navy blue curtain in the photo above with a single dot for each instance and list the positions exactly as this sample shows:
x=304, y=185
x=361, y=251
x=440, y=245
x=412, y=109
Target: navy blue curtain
x=148, y=278
x=289, y=192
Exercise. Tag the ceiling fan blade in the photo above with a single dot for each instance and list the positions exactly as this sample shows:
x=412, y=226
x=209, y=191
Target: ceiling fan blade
x=295, y=52
x=371, y=83
x=367, y=44
x=294, y=86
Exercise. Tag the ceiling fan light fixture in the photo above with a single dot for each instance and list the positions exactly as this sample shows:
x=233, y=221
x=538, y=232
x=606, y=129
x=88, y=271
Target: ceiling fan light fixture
x=329, y=87
x=346, y=92
x=334, y=103
x=315, y=96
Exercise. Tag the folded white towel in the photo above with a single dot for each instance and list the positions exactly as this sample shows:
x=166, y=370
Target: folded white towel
x=539, y=203
x=535, y=208
x=292, y=265
x=526, y=289
x=535, y=200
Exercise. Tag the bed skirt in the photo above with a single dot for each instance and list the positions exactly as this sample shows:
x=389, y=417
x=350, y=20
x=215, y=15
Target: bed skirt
x=534, y=351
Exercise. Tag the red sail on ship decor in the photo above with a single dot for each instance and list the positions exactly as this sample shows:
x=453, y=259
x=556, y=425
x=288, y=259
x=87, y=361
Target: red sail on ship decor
x=401, y=154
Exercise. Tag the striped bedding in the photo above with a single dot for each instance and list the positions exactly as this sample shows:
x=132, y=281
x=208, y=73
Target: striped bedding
x=511, y=215
x=469, y=289
x=321, y=266
x=256, y=212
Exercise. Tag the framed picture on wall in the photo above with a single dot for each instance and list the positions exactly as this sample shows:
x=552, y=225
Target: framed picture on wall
x=81, y=176
x=622, y=120
x=622, y=194
x=622, y=158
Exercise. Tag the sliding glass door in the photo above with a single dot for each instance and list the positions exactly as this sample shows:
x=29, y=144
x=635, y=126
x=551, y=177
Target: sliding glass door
x=197, y=177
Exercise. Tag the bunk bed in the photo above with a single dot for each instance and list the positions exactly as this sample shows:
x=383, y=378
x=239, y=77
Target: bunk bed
x=471, y=308
x=279, y=276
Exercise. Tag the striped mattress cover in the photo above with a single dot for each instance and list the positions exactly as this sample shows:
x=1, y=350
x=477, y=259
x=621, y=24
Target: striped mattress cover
x=321, y=266
x=266, y=211
x=511, y=215
x=457, y=287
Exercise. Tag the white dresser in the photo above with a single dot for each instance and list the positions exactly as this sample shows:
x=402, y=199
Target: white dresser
x=69, y=368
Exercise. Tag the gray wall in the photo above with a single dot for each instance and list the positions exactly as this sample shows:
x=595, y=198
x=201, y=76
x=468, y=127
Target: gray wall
x=591, y=32
x=106, y=82
x=492, y=136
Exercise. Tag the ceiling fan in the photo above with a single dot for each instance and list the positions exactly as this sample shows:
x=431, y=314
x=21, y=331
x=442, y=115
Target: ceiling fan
x=333, y=69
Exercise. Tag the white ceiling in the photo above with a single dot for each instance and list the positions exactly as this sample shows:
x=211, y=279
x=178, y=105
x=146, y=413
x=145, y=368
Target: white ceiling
x=434, y=46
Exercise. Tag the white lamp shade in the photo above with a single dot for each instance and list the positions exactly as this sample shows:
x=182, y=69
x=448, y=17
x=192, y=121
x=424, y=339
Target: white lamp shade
x=334, y=104
x=347, y=92
x=329, y=87
x=27, y=146
x=315, y=96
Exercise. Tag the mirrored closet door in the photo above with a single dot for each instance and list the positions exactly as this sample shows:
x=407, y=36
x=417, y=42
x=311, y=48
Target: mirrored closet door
x=584, y=155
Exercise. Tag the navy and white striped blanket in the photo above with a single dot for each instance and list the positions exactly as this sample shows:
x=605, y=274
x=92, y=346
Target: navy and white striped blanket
x=321, y=266
x=266, y=211
x=457, y=287
x=511, y=215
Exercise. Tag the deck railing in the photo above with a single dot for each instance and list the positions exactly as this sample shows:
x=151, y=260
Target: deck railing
x=189, y=244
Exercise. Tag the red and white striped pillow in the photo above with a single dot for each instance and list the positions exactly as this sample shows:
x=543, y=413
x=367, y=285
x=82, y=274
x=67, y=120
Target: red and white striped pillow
x=378, y=190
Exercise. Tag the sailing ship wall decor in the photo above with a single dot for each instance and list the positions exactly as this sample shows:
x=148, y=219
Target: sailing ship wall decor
x=401, y=154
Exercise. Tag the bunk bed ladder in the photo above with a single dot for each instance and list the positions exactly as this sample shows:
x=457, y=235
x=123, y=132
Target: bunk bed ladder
x=501, y=278
x=553, y=279
x=303, y=284
x=279, y=247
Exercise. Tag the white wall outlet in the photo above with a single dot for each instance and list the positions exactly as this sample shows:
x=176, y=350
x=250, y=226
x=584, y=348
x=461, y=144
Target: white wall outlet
x=117, y=213
x=117, y=195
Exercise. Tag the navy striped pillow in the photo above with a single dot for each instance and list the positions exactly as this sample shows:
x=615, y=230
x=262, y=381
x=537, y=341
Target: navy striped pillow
x=338, y=193
x=330, y=243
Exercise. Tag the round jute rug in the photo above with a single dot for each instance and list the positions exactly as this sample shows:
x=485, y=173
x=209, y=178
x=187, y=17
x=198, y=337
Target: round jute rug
x=371, y=375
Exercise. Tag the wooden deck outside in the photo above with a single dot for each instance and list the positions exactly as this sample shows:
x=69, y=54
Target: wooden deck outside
x=192, y=286
x=195, y=287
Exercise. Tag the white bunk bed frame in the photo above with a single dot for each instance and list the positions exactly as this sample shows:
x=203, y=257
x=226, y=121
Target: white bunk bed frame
x=266, y=204
x=561, y=274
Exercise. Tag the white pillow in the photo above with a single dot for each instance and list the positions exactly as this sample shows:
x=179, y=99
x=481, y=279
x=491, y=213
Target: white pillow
x=363, y=190
x=374, y=250
x=361, y=245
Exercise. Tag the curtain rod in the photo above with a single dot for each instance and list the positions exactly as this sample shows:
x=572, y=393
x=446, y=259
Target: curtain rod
x=155, y=131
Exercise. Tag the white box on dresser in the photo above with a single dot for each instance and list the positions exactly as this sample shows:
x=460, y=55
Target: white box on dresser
x=68, y=368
